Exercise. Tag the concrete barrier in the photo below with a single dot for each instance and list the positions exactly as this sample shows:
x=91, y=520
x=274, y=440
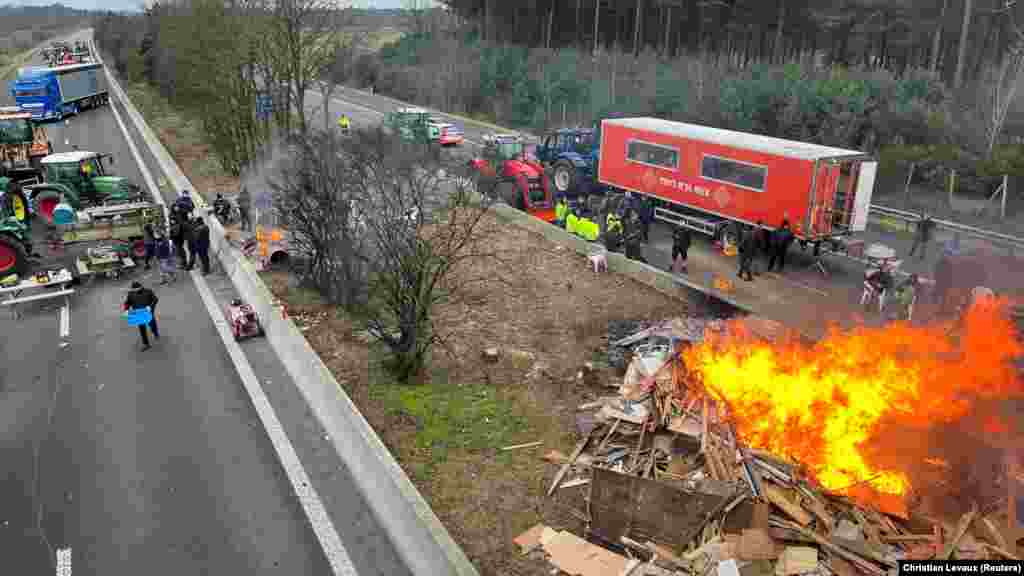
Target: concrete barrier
x=422, y=541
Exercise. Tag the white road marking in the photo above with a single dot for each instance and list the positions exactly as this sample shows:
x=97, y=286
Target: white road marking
x=64, y=562
x=65, y=321
x=312, y=504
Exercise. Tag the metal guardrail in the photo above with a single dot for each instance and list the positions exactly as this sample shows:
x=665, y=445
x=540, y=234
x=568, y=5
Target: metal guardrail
x=970, y=231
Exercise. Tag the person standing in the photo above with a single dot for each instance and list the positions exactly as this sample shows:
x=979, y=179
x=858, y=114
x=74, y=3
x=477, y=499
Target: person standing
x=149, y=241
x=178, y=238
x=202, y=243
x=189, y=231
x=746, y=254
x=923, y=234
x=646, y=210
x=681, y=239
x=244, y=208
x=783, y=238
x=140, y=298
x=761, y=247
x=165, y=259
x=183, y=204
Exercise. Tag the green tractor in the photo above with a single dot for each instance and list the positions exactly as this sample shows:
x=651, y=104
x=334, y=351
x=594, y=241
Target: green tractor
x=413, y=125
x=79, y=180
x=15, y=245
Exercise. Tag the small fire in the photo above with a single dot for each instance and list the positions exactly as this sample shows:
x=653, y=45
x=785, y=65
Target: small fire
x=849, y=406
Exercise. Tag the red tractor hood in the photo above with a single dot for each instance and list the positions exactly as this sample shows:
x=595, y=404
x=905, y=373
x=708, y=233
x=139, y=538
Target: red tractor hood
x=513, y=168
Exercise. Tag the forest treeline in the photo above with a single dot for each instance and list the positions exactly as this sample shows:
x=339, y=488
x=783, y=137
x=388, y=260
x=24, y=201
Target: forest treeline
x=931, y=82
x=22, y=27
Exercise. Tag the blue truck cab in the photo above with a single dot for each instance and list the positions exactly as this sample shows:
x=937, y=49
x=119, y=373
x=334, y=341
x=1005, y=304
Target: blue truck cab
x=53, y=93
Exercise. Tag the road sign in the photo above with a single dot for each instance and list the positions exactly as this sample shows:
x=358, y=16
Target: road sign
x=264, y=105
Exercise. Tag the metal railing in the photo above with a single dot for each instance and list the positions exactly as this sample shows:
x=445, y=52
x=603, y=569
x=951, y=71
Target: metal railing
x=970, y=231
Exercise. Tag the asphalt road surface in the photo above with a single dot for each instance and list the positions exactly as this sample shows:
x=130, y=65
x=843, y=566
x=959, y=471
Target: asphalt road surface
x=156, y=462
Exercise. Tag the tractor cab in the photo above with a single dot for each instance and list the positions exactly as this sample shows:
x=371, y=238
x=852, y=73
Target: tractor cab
x=571, y=155
x=506, y=168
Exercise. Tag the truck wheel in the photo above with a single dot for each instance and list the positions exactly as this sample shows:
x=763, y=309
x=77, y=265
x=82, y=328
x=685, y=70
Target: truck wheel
x=13, y=259
x=565, y=176
x=45, y=204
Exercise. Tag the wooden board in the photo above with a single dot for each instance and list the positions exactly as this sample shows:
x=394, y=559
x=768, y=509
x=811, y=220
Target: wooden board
x=644, y=509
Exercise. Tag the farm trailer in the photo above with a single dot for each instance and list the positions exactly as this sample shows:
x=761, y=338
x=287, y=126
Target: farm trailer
x=706, y=178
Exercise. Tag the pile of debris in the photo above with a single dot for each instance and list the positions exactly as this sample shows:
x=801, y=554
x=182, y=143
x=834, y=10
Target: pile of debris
x=671, y=490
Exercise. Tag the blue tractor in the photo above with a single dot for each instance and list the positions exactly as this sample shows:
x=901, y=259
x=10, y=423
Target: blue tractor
x=570, y=155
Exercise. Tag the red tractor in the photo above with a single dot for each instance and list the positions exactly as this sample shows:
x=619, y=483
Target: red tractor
x=505, y=171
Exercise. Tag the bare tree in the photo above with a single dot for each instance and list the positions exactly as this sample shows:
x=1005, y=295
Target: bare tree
x=302, y=40
x=424, y=231
x=313, y=200
x=387, y=232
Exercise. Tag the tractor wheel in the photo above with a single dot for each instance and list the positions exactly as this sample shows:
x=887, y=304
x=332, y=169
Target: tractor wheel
x=564, y=176
x=13, y=259
x=45, y=203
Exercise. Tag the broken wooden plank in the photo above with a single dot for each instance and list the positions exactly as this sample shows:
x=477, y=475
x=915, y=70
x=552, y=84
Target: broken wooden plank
x=1000, y=551
x=863, y=563
x=519, y=446
x=781, y=500
x=639, y=444
x=965, y=523
x=574, y=555
x=575, y=482
x=565, y=467
x=615, y=426
x=796, y=560
x=993, y=532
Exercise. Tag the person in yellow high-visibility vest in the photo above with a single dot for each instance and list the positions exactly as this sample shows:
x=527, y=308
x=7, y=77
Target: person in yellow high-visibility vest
x=571, y=222
x=561, y=211
x=343, y=122
x=613, y=231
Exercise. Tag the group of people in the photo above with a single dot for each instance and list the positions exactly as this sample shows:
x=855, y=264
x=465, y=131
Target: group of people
x=626, y=226
x=188, y=239
x=760, y=242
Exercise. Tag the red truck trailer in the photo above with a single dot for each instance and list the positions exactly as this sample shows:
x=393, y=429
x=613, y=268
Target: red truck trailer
x=706, y=178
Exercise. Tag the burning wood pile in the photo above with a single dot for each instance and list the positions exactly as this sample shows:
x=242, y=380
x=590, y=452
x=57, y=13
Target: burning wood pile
x=676, y=483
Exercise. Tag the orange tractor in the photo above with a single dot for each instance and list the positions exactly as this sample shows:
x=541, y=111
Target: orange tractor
x=505, y=171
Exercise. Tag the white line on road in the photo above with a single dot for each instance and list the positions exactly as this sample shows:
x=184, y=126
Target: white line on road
x=64, y=562
x=65, y=321
x=312, y=505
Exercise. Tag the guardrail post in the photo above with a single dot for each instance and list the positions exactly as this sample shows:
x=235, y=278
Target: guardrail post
x=1006, y=189
x=952, y=186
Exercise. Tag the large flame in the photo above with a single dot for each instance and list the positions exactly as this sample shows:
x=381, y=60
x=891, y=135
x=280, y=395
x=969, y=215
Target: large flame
x=832, y=406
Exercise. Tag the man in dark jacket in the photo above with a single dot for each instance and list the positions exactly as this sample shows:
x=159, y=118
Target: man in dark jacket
x=244, y=208
x=923, y=234
x=201, y=234
x=783, y=237
x=138, y=298
x=681, y=238
x=149, y=241
x=747, y=250
x=761, y=246
x=646, y=210
x=178, y=239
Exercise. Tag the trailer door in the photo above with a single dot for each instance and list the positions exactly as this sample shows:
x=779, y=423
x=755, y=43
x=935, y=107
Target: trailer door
x=824, y=198
x=862, y=201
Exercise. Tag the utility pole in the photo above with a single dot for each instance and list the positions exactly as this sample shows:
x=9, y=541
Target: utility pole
x=962, y=48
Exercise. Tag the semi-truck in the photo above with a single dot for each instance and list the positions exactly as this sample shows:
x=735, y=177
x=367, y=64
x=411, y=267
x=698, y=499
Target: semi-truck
x=53, y=93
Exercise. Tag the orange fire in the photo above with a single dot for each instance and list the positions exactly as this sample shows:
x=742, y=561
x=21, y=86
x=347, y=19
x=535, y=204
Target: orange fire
x=832, y=406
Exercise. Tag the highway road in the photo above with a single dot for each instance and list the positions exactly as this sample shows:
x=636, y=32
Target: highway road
x=156, y=462
x=1003, y=273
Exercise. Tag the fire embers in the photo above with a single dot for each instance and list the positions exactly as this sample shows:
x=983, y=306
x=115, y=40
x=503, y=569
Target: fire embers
x=900, y=410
